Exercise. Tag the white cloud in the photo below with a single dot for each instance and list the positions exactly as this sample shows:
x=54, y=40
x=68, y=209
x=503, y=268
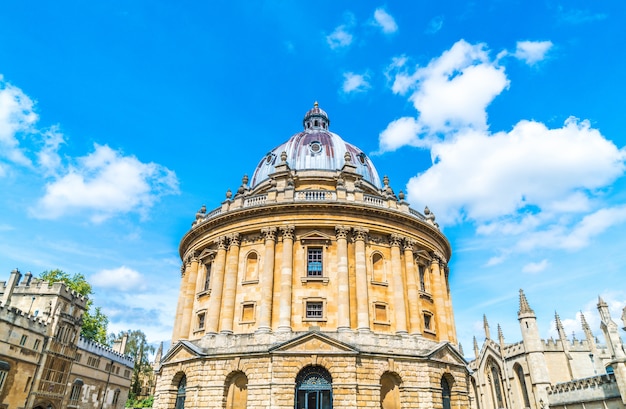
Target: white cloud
x=453, y=91
x=355, y=82
x=16, y=117
x=121, y=278
x=531, y=52
x=48, y=157
x=385, y=21
x=527, y=170
x=534, y=268
x=341, y=36
x=105, y=183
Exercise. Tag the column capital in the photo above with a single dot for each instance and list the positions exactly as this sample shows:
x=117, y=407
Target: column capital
x=438, y=257
x=395, y=240
x=269, y=233
x=342, y=231
x=234, y=239
x=359, y=233
x=288, y=231
x=408, y=244
x=221, y=243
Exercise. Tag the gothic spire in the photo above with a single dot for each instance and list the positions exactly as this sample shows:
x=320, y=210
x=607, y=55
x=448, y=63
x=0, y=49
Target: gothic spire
x=461, y=349
x=486, y=327
x=524, y=308
x=475, y=348
x=559, y=326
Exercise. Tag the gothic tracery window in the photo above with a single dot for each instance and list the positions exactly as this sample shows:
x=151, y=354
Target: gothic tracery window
x=314, y=388
x=522, y=384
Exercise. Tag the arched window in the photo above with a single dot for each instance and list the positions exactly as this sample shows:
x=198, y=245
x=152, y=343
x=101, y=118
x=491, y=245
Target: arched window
x=390, y=391
x=314, y=388
x=4, y=371
x=180, y=394
x=378, y=268
x=252, y=266
x=522, y=384
x=237, y=391
x=445, y=393
x=75, y=393
x=496, y=385
x=476, y=395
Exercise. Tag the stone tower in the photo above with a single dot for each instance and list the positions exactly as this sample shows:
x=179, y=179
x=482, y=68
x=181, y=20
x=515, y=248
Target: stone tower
x=616, y=348
x=314, y=286
x=533, y=344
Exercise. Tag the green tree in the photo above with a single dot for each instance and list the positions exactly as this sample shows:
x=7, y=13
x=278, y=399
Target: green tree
x=94, y=323
x=138, y=347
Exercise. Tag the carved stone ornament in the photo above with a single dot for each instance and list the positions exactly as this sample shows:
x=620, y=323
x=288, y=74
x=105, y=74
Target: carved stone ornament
x=288, y=232
x=283, y=156
x=221, y=243
x=409, y=244
x=342, y=232
x=395, y=240
x=269, y=233
x=359, y=233
x=234, y=239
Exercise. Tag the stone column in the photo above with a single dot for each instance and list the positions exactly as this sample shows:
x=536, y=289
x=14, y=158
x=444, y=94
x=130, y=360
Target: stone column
x=343, y=282
x=363, y=305
x=286, y=280
x=179, y=306
x=215, y=301
x=398, y=284
x=448, y=303
x=411, y=289
x=190, y=286
x=230, y=285
x=440, y=318
x=267, y=281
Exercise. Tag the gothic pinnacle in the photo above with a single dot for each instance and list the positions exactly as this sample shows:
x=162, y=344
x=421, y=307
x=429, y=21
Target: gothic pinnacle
x=524, y=308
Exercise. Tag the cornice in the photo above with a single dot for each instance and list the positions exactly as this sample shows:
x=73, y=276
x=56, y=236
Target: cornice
x=334, y=209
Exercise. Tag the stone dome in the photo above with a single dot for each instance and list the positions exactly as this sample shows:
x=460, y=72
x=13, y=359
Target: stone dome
x=316, y=148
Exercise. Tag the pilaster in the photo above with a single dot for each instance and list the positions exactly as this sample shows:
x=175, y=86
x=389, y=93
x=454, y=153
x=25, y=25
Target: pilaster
x=363, y=305
x=215, y=302
x=286, y=279
x=343, y=284
x=267, y=280
x=398, y=284
x=230, y=284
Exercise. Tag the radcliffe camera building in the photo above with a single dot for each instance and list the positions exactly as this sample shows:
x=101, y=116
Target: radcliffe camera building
x=314, y=286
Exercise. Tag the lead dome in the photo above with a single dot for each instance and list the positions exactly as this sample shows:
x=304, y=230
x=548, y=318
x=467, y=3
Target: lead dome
x=316, y=148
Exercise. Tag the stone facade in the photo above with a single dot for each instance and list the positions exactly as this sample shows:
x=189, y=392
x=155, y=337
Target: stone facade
x=559, y=374
x=44, y=363
x=316, y=286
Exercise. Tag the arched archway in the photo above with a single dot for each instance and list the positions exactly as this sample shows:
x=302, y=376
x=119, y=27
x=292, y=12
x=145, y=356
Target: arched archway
x=314, y=388
x=390, y=391
x=446, y=391
x=181, y=393
x=236, y=390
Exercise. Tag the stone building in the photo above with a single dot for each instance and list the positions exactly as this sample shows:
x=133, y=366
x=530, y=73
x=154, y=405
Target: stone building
x=560, y=374
x=314, y=286
x=44, y=363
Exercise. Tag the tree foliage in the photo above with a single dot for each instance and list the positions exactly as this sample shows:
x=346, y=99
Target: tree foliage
x=94, y=323
x=138, y=347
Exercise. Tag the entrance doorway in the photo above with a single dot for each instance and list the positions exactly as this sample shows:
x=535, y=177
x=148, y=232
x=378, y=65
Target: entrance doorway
x=314, y=388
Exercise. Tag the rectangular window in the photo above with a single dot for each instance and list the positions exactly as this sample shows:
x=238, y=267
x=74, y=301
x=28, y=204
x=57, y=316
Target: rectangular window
x=107, y=367
x=422, y=273
x=314, y=262
x=315, y=310
x=428, y=322
x=23, y=340
x=247, y=312
x=78, y=357
x=207, y=277
x=36, y=345
x=201, y=320
x=380, y=312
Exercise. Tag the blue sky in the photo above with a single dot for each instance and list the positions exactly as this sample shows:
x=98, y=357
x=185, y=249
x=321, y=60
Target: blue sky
x=118, y=120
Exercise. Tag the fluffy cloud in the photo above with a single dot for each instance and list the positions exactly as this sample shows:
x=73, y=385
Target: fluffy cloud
x=105, y=183
x=531, y=169
x=531, y=52
x=533, y=268
x=385, y=21
x=341, y=36
x=452, y=92
x=121, y=278
x=355, y=82
x=16, y=117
